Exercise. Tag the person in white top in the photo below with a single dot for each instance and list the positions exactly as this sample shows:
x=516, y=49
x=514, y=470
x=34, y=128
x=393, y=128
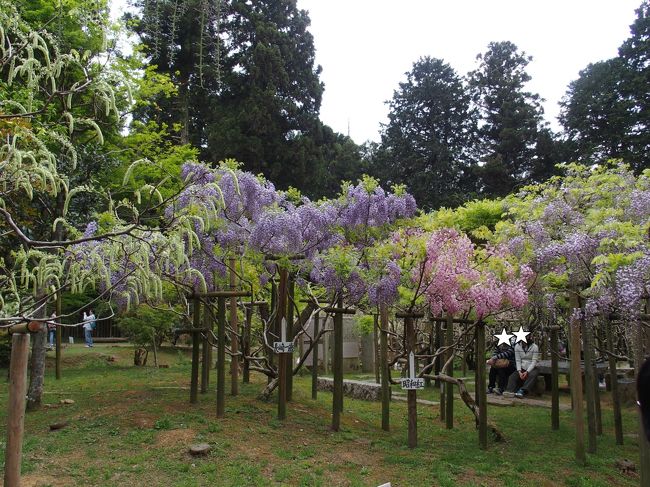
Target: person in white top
x=51, y=330
x=526, y=358
x=89, y=324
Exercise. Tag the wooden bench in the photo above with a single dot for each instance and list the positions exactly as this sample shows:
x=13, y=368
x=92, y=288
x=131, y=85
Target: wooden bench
x=564, y=368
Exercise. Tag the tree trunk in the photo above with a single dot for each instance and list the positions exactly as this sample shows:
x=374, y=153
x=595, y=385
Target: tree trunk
x=37, y=372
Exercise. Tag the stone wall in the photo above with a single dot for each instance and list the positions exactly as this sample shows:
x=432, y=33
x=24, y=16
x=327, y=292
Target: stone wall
x=368, y=391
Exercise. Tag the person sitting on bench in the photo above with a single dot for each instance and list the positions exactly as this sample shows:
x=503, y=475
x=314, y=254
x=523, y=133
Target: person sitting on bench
x=524, y=378
x=502, y=364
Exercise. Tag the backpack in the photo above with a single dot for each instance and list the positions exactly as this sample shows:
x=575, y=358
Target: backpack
x=93, y=325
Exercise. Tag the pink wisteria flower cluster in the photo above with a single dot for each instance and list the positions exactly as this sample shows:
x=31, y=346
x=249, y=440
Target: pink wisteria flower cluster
x=461, y=279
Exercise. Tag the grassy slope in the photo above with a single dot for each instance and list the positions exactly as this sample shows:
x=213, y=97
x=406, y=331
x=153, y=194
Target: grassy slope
x=132, y=426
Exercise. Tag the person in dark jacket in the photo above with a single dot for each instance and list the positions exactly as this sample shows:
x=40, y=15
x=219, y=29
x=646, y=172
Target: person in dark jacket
x=500, y=374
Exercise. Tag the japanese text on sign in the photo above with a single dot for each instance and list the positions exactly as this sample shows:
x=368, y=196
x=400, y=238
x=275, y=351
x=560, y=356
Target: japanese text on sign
x=283, y=347
x=412, y=383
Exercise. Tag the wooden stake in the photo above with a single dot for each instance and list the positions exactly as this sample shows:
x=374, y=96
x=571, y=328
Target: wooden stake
x=588, y=352
x=16, y=408
x=314, y=357
x=481, y=385
x=221, y=356
x=282, y=357
x=411, y=394
x=576, y=379
x=234, y=337
x=290, y=336
x=613, y=381
x=337, y=399
x=247, y=343
x=385, y=386
x=207, y=361
x=449, y=388
x=597, y=408
x=274, y=327
x=464, y=363
x=375, y=346
x=555, y=390
x=59, y=330
x=196, y=324
x=442, y=337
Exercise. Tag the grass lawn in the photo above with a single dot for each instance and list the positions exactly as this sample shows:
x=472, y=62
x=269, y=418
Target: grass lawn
x=132, y=426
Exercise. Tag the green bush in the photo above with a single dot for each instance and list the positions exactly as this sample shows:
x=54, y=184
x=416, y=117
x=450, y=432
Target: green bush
x=144, y=323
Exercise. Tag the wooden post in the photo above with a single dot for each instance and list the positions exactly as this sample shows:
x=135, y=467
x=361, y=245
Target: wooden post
x=196, y=323
x=427, y=380
x=576, y=378
x=59, y=330
x=385, y=386
x=449, y=388
x=246, y=376
x=282, y=357
x=613, y=381
x=555, y=390
x=437, y=344
x=314, y=357
x=375, y=347
x=337, y=400
x=204, y=352
x=588, y=352
x=221, y=356
x=464, y=363
x=290, y=302
x=443, y=386
x=234, y=337
x=274, y=327
x=411, y=394
x=481, y=385
x=16, y=408
x=597, y=406
x=476, y=377
x=326, y=350
x=207, y=347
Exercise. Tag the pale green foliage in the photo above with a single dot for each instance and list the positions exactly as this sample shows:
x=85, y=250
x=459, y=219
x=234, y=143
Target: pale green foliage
x=33, y=83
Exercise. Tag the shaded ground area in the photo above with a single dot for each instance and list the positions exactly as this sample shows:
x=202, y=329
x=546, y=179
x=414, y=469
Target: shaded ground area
x=133, y=426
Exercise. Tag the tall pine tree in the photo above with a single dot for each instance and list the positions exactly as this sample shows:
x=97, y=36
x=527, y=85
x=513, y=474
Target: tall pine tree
x=428, y=142
x=510, y=119
x=248, y=87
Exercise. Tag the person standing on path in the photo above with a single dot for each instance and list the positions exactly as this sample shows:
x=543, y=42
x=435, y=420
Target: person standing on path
x=51, y=330
x=89, y=324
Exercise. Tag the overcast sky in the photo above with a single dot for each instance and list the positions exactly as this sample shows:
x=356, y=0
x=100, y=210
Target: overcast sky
x=366, y=46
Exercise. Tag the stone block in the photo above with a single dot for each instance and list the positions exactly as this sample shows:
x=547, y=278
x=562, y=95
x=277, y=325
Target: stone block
x=356, y=389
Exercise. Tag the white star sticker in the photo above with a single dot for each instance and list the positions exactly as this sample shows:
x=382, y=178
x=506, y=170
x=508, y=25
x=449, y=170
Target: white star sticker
x=521, y=335
x=503, y=338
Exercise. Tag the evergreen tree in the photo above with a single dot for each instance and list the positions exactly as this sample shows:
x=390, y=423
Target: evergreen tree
x=248, y=86
x=635, y=89
x=428, y=142
x=510, y=119
x=606, y=111
x=595, y=115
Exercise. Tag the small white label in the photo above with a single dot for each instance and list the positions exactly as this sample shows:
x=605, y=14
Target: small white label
x=283, y=347
x=411, y=383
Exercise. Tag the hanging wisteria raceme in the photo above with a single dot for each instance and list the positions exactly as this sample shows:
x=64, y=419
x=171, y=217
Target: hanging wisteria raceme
x=365, y=216
x=130, y=267
x=463, y=278
x=587, y=230
x=236, y=212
